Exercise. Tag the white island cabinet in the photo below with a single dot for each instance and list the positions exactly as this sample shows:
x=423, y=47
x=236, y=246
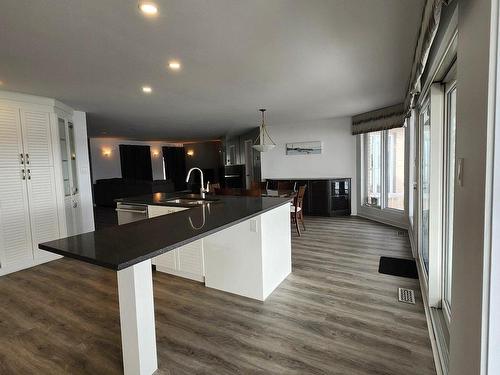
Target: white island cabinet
x=250, y=258
x=186, y=261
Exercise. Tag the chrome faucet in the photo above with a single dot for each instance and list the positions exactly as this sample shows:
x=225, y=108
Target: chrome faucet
x=202, y=188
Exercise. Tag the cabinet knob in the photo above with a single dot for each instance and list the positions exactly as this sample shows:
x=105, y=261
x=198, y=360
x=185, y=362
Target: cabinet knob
x=27, y=158
x=23, y=174
x=22, y=159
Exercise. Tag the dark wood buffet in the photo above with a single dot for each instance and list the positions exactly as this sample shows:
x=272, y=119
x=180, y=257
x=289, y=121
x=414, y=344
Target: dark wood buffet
x=324, y=197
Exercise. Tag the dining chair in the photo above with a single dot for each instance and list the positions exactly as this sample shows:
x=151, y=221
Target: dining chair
x=286, y=185
x=296, y=211
x=252, y=192
x=213, y=187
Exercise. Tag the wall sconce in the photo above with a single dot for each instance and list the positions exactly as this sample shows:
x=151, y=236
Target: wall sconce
x=106, y=152
x=155, y=153
x=190, y=152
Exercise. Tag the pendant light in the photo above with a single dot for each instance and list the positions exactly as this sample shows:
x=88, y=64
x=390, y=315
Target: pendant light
x=260, y=143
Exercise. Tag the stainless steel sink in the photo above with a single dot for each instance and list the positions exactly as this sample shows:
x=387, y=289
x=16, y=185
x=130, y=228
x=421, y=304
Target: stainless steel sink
x=190, y=202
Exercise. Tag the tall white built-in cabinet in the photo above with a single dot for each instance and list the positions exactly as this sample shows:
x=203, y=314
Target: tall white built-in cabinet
x=39, y=198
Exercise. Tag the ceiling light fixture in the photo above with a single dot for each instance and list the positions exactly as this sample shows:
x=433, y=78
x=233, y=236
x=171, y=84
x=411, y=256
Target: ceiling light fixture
x=174, y=65
x=147, y=89
x=260, y=142
x=148, y=8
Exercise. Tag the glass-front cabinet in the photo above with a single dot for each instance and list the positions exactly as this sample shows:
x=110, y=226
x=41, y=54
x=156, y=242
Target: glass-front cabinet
x=69, y=172
x=68, y=156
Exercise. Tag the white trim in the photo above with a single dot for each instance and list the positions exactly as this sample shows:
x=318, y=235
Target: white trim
x=436, y=195
x=490, y=330
x=430, y=328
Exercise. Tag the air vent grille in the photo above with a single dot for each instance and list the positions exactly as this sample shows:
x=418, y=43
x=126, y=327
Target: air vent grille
x=406, y=295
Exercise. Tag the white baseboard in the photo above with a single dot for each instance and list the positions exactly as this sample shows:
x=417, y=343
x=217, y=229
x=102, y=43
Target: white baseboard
x=28, y=264
x=382, y=220
x=183, y=274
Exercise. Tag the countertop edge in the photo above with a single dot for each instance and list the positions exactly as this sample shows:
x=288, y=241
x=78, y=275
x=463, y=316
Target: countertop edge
x=121, y=266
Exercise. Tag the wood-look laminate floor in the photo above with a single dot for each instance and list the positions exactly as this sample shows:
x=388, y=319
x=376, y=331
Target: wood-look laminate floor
x=335, y=314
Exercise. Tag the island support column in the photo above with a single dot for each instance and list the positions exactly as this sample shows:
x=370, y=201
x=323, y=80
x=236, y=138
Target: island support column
x=137, y=319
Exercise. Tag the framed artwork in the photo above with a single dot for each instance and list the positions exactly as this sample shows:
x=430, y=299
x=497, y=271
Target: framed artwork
x=303, y=148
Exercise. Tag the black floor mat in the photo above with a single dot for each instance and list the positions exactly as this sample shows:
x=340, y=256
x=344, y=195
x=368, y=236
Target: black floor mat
x=398, y=267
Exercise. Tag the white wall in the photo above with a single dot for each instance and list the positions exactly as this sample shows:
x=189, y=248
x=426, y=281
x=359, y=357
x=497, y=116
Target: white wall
x=474, y=115
x=110, y=167
x=84, y=181
x=337, y=159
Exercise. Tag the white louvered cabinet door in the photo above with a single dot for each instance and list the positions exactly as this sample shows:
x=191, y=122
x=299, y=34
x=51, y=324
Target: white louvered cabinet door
x=43, y=206
x=37, y=138
x=15, y=237
x=190, y=258
x=11, y=144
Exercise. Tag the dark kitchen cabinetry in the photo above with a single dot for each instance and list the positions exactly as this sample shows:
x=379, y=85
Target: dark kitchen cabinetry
x=238, y=151
x=324, y=197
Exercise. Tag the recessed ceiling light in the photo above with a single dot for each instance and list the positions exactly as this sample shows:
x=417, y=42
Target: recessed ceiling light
x=174, y=65
x=147, y=89
x=148, y=8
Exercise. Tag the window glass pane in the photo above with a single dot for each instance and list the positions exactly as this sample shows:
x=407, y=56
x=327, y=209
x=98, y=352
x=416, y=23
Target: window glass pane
x=396, y=168
x=450, y=179
x=372, y=167
x=425, y=122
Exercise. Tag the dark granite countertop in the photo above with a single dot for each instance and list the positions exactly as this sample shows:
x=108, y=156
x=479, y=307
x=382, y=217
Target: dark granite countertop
x=122, y=246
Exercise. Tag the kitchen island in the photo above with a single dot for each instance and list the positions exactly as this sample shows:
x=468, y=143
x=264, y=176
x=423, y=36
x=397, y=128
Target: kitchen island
x=247, y=251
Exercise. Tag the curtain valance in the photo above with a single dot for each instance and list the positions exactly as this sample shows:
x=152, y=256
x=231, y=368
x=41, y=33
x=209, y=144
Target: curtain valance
x=381, y=119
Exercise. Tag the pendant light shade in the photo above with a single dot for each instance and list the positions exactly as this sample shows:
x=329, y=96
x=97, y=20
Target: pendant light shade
x=261, y=144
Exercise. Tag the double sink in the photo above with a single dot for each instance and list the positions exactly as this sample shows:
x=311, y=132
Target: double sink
x=188, y=201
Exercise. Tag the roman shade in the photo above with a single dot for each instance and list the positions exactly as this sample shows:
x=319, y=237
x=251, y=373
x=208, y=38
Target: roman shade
x=381, y=119
x=426, y=34
x=394, y=116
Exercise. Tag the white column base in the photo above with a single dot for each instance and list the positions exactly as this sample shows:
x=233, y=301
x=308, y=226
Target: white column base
x=137, y=319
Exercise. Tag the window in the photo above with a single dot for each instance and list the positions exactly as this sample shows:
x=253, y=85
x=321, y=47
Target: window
x=372, y=163
x=384, y=169
x=396, y=168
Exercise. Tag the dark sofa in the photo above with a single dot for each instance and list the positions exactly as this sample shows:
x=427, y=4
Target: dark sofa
x=107, y=190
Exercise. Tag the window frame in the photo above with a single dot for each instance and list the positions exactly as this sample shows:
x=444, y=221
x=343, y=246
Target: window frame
x=450, y=86
x=384, y=156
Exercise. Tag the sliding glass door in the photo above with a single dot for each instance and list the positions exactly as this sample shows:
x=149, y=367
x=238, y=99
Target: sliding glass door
x=449, y=184
x=425, y=163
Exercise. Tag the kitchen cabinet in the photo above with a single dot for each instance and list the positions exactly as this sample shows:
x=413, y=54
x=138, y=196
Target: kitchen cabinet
x=31, y=202
x=239, y=151
x=72, y=201
x=186, y=261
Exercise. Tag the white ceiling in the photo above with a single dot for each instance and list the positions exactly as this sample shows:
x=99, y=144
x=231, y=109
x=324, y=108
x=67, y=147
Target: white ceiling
x=301, y=59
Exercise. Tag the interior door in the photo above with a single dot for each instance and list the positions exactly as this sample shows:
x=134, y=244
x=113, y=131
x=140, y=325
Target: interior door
x=15, y=244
